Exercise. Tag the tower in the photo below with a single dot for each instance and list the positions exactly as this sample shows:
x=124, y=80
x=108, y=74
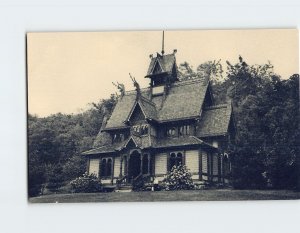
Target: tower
x=162, y=70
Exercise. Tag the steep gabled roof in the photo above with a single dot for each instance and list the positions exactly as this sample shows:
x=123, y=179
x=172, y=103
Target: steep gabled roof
x=166, y=63
x=122, y=110
x=148, y=108
x=184, y=100
x=214, y=121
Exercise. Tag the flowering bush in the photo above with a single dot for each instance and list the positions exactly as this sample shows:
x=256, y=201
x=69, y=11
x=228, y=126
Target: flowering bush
x=86, y=184
x=178, y=178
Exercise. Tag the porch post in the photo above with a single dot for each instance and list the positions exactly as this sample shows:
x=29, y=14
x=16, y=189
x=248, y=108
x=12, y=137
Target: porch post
x=121, y=165
x=200, y=164
x=148, y=155
x=127, y=162
x=141, y=156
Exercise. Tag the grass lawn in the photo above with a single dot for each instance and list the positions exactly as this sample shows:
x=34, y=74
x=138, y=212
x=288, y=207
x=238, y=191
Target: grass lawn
x=195, y=195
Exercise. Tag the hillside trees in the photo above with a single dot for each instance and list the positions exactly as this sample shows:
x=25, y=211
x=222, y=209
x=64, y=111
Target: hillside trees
x=55, y=143
x=266, y=113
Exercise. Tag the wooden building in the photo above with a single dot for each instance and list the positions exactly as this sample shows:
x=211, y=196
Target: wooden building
x=170, y=122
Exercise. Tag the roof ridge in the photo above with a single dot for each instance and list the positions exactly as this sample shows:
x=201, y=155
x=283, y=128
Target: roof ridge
x=130, y=92
x=189, y=82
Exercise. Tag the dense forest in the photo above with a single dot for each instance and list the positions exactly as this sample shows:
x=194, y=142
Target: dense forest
x=265, y=153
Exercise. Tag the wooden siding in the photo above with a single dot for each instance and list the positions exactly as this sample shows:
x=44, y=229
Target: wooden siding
x=94, y=167
x=215, y=164
x=117, y=166
x=161, y=164
x=204, y=162
x=192, y=160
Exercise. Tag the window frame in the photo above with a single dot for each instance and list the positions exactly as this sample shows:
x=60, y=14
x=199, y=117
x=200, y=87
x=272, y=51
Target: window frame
x=176, y=159
x=104, y=170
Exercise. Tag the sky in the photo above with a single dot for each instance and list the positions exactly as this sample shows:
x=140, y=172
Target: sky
x=69, y=70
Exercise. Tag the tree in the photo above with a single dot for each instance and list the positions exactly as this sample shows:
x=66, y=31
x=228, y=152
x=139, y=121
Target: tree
x=55, y=143
x=267, y=118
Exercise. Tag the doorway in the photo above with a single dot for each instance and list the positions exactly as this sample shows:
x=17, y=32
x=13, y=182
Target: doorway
x=134, y=168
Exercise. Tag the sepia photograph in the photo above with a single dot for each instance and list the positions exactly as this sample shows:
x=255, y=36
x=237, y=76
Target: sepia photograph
x=151, y=116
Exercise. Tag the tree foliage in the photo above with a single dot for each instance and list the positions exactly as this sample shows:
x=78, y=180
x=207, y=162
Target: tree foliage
x=266, y=113
x=55, y=143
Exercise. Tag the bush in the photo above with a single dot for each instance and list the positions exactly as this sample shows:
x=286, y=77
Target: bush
x=179, y=178
x=86, y=184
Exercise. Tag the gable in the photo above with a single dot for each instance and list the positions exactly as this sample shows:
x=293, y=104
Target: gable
x=130, y=144
x=137, y=114
x=208, y=99
x=184, y=100
x=157, y=68
x=165, y=62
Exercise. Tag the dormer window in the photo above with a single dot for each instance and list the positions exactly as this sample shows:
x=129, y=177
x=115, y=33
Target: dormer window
x=171, y=132
x=140, y=129
x=118, y=137
x=184, y=130
x=144, y=129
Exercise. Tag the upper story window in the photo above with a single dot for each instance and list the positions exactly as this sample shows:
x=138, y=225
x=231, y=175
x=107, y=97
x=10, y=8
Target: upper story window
x=141, y=129
x=184, y=130
x=118, y=137
x=171, y=131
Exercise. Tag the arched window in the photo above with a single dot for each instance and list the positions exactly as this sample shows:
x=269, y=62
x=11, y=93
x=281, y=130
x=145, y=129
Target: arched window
x=109, y=167
x=145, y=164
x=106, y=167
x=176, y=159
x=179, y=159
x=172, y=162
x=103, y=167
x=171, y=132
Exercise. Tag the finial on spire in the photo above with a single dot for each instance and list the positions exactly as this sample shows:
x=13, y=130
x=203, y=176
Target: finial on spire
x=163, y=43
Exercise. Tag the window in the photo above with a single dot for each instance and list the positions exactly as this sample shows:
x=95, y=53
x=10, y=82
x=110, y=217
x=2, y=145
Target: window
x=118, y=137
x=106, y=167
x=184, y=130
x=171, y=132
x=144, y=129
x=176, y=159
x=141, y=129
x=103, y=168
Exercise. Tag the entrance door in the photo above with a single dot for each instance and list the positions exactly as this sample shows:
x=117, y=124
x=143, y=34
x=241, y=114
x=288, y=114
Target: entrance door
x=134, y=168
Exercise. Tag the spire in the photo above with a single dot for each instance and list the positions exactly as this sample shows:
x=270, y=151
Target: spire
x=163, y=44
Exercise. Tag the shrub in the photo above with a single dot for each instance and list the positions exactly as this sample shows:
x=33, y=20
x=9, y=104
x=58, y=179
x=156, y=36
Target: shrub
x=86, y=184
x=178, y=178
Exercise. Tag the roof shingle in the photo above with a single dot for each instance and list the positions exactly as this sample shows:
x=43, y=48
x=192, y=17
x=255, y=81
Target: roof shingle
x=173, y=106
x=166, y=62
x=214, y=121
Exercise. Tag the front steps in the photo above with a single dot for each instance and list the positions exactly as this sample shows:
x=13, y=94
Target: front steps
x=124, y=189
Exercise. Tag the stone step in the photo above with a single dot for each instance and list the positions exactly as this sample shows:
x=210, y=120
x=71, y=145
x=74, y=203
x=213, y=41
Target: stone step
x=124, y=188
